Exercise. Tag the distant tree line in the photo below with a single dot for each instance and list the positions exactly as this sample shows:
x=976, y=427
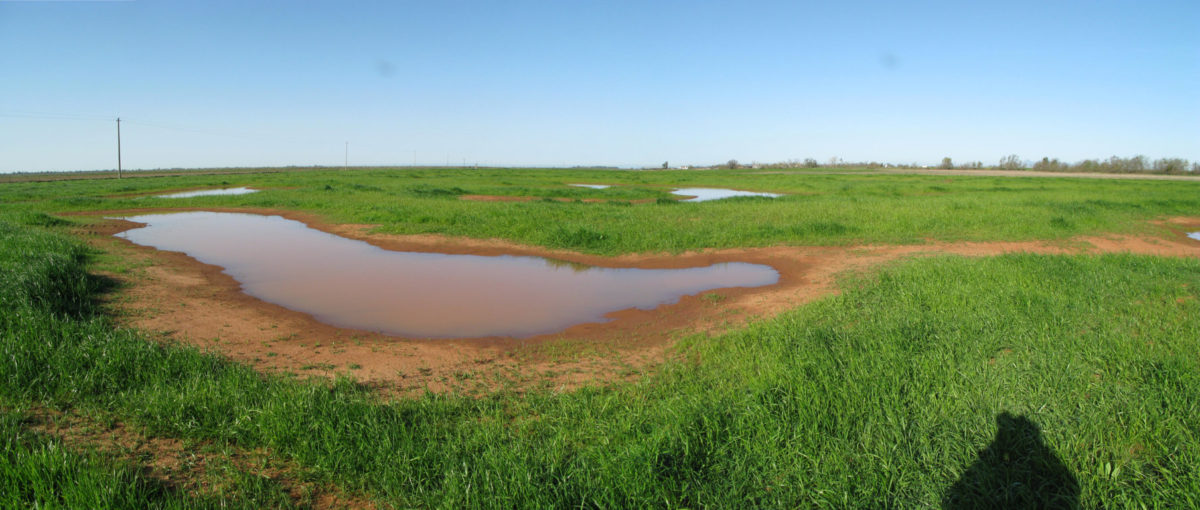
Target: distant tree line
x=1115, y=164
x=1135, y=164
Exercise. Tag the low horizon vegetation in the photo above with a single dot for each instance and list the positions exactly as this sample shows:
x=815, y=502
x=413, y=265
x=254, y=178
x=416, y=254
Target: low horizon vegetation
x=1138, y=164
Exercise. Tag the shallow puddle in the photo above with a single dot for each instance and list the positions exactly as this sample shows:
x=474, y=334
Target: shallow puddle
x=1195, y=235
x=207, y=192
x=705, y=194
x=350, y=283
x=593, y=186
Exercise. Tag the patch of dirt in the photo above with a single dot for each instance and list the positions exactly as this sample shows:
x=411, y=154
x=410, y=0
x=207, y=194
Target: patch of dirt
x=198, y=304
x=195, y=468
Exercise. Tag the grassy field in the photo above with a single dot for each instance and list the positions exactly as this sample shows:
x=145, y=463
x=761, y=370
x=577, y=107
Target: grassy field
x=1066, y=381
x=819, y=210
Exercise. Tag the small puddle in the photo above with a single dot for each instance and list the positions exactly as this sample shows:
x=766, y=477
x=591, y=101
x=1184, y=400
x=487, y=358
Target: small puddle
x=705, y=194
x=351, y=283
x=207, y=192
x=1195, y=235
x=593, y=186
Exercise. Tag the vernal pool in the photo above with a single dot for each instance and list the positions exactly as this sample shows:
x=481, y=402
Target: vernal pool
x=351, y=283
x=704, y=194
x=207, y=192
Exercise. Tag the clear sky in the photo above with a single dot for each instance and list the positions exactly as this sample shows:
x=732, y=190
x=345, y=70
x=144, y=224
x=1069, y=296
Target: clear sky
x=241, y=83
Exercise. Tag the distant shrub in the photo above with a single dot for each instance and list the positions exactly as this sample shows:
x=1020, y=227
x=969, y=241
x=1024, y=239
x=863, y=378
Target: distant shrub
x=1060, y=222
x=1011, y=162
x=41, y=219
x=1171, y=166
x=579, y=238
x=821, y=228
x=1051, y=165
x=431, y=191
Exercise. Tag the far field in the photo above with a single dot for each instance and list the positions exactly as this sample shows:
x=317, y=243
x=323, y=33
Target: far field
x=946, y=340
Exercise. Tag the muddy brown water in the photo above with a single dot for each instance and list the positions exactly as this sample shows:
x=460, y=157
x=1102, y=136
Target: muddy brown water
x=208, y=192
x=353, y=284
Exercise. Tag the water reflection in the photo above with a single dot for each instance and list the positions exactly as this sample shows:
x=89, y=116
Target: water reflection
x=207, y=192
x=351, y=283
x=705, y=194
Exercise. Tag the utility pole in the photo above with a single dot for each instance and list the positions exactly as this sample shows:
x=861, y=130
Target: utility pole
x=346, y=162
x=118, y=147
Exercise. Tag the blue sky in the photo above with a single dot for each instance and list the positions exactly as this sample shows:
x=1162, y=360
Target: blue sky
x=237, y=83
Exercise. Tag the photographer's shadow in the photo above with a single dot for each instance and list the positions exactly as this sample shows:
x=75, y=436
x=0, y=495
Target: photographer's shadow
x=1016, y=471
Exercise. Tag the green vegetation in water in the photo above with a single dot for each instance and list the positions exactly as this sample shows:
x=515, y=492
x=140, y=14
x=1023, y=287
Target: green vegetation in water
x=818, y=209
x=939, y=380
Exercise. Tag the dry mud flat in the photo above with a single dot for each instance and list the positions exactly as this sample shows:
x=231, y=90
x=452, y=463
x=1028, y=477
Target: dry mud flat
x=194, y=303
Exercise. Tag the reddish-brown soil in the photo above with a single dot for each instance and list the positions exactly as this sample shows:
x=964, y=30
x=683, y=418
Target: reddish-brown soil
x=197, y=304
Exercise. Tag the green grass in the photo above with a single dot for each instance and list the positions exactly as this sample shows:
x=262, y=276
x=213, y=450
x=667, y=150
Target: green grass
x=939, y=380
x=37, y=471
x=819, y=209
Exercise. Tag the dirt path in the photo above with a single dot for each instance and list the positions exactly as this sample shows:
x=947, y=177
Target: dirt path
x=196, y=303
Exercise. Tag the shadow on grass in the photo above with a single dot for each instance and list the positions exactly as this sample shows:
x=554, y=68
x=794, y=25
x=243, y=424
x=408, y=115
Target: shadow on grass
x=1017, y=470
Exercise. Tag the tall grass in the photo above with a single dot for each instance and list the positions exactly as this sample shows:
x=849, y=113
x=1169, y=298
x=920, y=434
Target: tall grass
x=889, y=394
